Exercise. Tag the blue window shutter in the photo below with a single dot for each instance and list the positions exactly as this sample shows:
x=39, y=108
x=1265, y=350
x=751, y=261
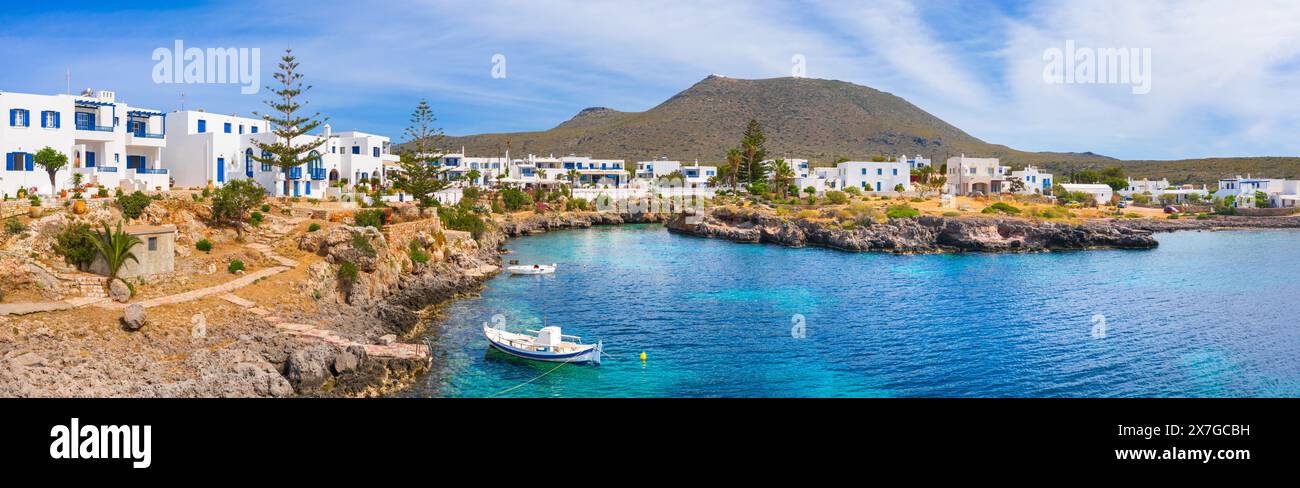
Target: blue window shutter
x=13, y=116
x=30, y=161
x=9, y=161
x=56, y=120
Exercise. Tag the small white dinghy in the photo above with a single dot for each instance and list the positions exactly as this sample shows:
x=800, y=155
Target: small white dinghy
x=531, y=269
x=547, y=345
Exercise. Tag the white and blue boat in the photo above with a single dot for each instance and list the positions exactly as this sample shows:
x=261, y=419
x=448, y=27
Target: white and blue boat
x=547, y=344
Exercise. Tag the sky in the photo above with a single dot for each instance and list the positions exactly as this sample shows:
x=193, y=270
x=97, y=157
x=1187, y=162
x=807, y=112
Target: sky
x=1224, y=75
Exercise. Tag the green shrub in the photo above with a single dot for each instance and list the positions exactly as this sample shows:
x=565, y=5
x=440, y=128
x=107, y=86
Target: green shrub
x=902, y=212
x=918, y=200
x=515, y=200
x=836, y=197
x=952, y=214
x=470, y=192
x=14, y=227
x=1173, y=216
x=255, y=218
x=579, y=204
x=417, y=253
x=313, y=227
x=203, y=245
x=76, y=244
x=853, y=190
x=1002, y=208
x=206, y=193
x=369, y=218
x=362, y=243
x=1204, y=216
x=348, y=273
x=266, y=207
x=462, y=219
x=235, y=266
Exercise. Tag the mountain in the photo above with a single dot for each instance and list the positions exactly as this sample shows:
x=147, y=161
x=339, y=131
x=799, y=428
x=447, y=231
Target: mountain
x=820, y=120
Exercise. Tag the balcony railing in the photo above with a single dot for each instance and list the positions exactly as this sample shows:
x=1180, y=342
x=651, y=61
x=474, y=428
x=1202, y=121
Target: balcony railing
x=105, y=169
x=151, y=171
x=96, y=128
x=147, y=135
x=318, y=174
x=295, y=173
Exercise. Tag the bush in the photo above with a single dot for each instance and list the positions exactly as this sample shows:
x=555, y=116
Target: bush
x=470, y=192
x=515, y=200
x=313, y=227
x=902, y=212
x=836, y=197
x=362, y=243
x=369, y=218
x=203, y=245
x=1002, y=208
x=266, y=207
x=952, y=214
x=853, y=190
x=348, y=273
x=417, y=253
x=578, y=204
x=255, y=219
x=462, y=219
x=1052, y=213
x=235, y=266
x=14, y=227
x=76, y=244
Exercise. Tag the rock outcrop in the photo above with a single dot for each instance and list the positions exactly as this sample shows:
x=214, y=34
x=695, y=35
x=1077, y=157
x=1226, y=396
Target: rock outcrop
x=923, y=234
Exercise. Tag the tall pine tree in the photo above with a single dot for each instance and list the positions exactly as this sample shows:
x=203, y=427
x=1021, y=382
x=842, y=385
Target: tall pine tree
x=752, y=153
x=418, y=176
x=290, y=148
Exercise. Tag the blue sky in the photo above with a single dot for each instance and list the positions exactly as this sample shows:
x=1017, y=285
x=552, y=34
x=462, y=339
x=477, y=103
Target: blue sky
x=1225, y=75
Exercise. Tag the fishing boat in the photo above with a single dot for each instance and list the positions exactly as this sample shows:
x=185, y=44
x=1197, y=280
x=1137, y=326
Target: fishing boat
x=531, y=269
x=547, y=344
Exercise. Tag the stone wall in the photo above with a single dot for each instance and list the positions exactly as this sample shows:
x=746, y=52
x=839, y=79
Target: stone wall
x=1265, y=212
x=399, y=236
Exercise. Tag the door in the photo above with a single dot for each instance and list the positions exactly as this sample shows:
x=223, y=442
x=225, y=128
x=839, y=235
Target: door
x=90, y=159
x=295, y=188
x=221, y=170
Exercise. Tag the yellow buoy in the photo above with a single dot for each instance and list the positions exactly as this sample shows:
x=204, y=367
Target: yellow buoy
x=643, y=356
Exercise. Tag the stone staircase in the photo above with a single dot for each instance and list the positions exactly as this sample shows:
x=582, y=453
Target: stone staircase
x=74, y=283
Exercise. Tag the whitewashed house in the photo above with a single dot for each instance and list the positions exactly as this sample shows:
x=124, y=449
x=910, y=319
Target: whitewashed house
x=206, y=148
x=969, y=176
x=110, y=143
x=874, y=176
x=916, y=162
x=1100, y=192
x=1035, y=181
x=1158, y=188
x=1281, y=193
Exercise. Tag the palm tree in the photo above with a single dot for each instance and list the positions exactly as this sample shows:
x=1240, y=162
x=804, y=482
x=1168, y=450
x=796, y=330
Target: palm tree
x=115, y=246
x=733, y=159
x=573, y=177
x=781, y=176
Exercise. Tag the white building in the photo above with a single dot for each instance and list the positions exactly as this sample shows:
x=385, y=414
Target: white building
x=108, y=142
x=1035, y=181
x=915, y=162
x=875, y=176
x=459, y=167
x=1101, y=193
x=206, y=148
x=967, y=176
x=1158, y=188
x=1281, y=193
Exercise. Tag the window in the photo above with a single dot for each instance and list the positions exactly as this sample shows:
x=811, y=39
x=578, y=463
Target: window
x=376, y=151
x=153, y=243
x=248, y=162
x=254, y=129
x=19, y=117
x=356, y=149
x=16, y=161
x=50, y=119
x=895, y=171
x=880, y=171
x=334, y=149
x=227, y=127
x=203, y=126
x=266, y=156
x=864, y=171
x=241, y=128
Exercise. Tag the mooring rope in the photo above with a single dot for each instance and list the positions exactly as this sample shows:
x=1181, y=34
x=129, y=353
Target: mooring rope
x=538, y=377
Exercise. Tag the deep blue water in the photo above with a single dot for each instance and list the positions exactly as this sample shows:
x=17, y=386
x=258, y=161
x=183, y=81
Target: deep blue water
x=1205, y=314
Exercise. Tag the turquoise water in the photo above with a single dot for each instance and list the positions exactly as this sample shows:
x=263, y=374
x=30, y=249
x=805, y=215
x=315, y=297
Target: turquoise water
x=1205, y=314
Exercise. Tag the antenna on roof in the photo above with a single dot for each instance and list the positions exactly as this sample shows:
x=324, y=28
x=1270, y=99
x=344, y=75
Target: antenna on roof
x=68, y=78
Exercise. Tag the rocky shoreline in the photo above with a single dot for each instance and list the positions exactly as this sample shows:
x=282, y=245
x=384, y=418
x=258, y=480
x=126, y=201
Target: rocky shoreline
x=929, y=234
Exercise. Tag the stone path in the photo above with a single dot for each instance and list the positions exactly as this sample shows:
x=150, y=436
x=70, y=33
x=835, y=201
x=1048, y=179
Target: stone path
x=36, y=307
x=394, y=350
x=192, y=295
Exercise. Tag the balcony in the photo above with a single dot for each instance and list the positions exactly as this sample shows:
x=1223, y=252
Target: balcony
x=151, y=171
x=95, y=128
x=318, y=174
x=295, y=173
